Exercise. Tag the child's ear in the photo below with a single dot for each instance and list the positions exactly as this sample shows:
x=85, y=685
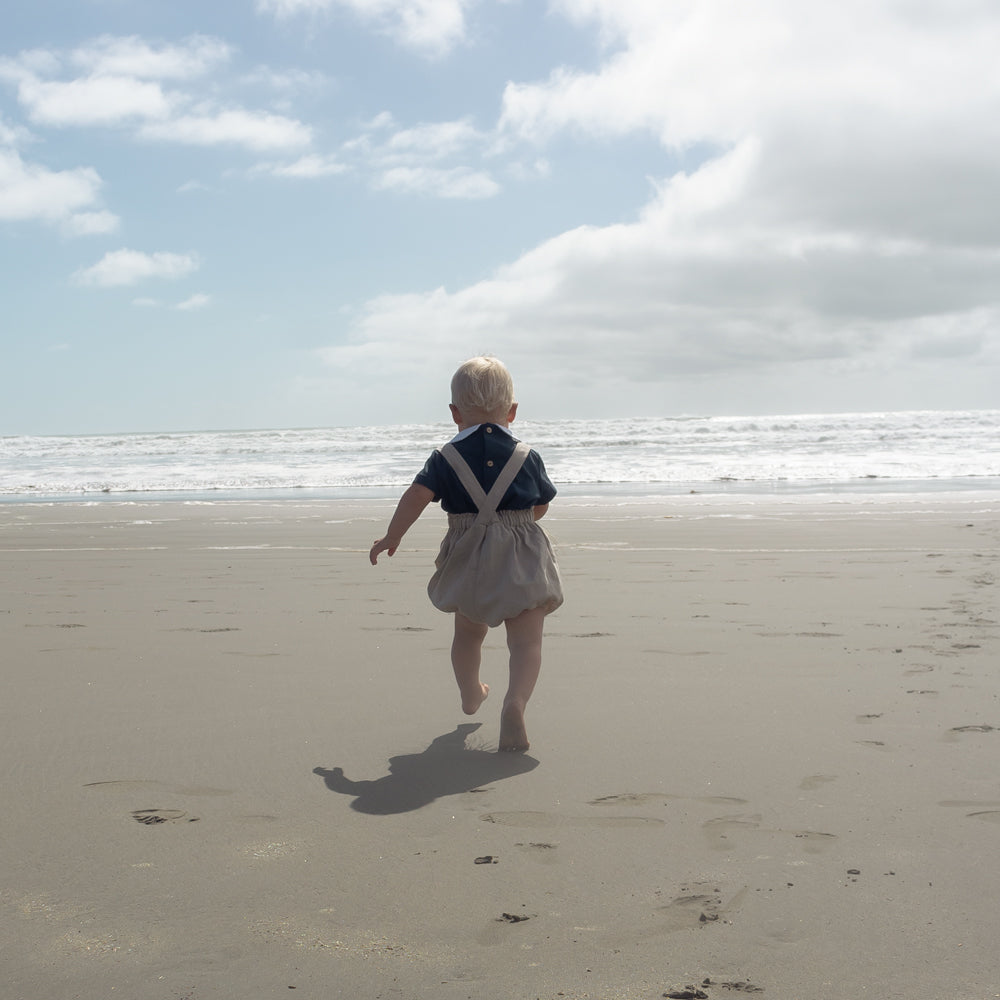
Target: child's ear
x=455, y=415
x=512, y=414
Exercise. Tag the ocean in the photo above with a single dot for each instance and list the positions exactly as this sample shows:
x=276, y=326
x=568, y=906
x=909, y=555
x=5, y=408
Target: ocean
x=789, y=455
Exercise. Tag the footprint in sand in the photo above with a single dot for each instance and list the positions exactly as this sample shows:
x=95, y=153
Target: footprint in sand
x=721, y=829
x=814, y=841
x=195, y=628
x=142, y=784
x=645, y=798
x=153, y=817
x=874, y=744
x=742, y=986
x=694, y=906
x=698, y=904
x=958, y=731
x=540, y=851
x=814, y=781
x=157, y=816
x=551, y=821
x=723, y=833
x=989, y=815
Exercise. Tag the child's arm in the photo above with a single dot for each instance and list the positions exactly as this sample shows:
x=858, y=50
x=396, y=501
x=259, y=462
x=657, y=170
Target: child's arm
x=411, y=505
x=540, y=510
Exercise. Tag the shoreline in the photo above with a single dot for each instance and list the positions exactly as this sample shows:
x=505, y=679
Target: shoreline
x=764, y=754
x=873, y=489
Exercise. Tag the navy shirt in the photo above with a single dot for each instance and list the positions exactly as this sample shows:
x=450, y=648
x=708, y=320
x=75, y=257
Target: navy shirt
x=486, y=450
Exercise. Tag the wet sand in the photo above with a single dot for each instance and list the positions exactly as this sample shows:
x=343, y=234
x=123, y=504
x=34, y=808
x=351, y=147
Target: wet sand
x=764, y=756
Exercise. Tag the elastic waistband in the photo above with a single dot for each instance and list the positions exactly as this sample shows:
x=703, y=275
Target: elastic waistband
x=526, y=516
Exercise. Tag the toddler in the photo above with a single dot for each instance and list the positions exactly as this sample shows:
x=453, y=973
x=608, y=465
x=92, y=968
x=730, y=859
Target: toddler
x=496, y=563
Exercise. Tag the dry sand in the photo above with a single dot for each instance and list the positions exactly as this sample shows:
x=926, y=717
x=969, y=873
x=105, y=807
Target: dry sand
x=765, y=756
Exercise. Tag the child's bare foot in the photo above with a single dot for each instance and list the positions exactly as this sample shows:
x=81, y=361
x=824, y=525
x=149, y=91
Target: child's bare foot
x=513, y=735
x=471, y=705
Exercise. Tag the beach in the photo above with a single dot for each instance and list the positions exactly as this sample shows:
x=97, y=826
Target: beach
x=765, y=750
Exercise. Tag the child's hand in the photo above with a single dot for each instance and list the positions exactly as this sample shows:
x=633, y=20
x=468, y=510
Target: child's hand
x=409, y=508
x=380, y=546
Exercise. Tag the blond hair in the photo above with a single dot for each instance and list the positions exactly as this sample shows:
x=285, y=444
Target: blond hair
x=483, y=385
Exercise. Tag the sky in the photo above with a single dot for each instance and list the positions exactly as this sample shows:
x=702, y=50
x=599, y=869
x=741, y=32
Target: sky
x=307, y=213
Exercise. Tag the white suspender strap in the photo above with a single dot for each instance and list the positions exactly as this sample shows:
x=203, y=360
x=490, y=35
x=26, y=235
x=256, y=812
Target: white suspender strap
x=485, y=503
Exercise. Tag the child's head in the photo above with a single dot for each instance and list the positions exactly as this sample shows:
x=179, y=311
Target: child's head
x=482, y=387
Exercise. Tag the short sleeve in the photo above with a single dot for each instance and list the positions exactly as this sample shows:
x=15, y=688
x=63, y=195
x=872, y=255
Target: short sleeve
x=431, y=474
x=546, y=491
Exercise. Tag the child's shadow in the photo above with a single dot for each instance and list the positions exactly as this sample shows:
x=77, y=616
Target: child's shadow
x=414, y=780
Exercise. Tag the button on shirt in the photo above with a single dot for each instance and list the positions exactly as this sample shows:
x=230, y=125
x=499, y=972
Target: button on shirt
x=486, y=448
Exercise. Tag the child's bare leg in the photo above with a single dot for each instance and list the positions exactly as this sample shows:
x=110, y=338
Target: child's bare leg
x=524, y=640
x=466, y=655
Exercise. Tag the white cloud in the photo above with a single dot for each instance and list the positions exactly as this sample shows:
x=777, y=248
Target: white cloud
x=11, y=135
x=458, y=182
x=130, y=56
x=410, y=160
x=383, y=120
x=198, y=301
x=127, y=267
x=414, y=160
x=305, y=168
x=95, y=100
x=29, y=62
x=122, y=87
x=288, y=81
x=30, y=191
x=698, y=286
x=863, y=109
x=842, y=218
x=717, y=70
x=90, y=224
x=256, y=130
x=430, y=141
x=531, y=170
x=429, y=26
x=291, y=8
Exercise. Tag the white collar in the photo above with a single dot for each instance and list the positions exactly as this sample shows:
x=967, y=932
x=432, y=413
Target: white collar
x=461, y=435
